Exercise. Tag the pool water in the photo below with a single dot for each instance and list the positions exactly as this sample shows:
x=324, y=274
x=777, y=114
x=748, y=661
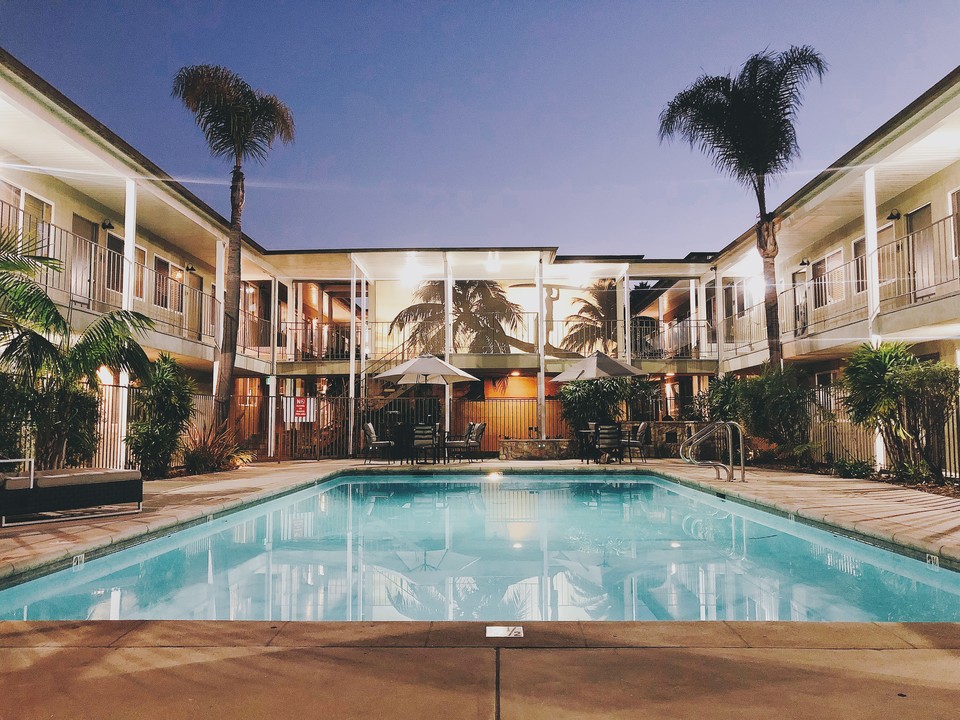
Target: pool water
x=545, y=547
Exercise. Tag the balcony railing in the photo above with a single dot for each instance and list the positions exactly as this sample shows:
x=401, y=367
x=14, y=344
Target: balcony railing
x=584, y=337
x=92, y=276
x=833, y=300
x=746, y=328
x=919, y=267
x=254, y=336
x=314, y=340
x=683, y=340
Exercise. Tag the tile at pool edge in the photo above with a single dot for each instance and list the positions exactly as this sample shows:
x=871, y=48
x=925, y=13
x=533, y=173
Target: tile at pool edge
x=938, y=635
x=200, y=633
x=819, y=635
x=660, y=634
x=358, y=634
x=89, y=633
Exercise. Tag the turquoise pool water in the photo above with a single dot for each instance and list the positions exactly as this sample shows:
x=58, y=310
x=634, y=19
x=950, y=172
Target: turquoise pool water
x=561, y=547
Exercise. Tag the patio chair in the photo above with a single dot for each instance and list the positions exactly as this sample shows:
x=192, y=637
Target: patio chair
x=636, y=441
x=424, y=442
x=456, y=445
x=372, y=444
x=474, y=443
x=608, y=442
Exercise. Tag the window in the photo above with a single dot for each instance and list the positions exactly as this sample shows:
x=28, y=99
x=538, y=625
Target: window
x=828, y=279
x=114, y=263
x=176, y=288
x=161, y=283
x=139, y=274
x=860, y=265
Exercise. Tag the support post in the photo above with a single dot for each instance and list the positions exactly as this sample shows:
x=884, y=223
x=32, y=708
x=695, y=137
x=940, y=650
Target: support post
x=351, y=393
x=126, y=302
x=272, y=379
x=719, y=313
x=622, y=318
x=627, y=353
x=447, y=334
x=873, y=256
x=541, y=346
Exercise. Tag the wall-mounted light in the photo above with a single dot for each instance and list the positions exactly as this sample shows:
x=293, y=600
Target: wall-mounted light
x=106, y=224
x=894, y=215
x=805, y=262
x=190, y=268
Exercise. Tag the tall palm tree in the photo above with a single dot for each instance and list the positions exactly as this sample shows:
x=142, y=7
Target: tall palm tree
x=55, y=372
x=746, y=125
x=595, y=322
x=239, y=123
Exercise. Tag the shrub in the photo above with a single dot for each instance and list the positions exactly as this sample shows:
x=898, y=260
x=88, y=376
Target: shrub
x=929, y=396
x=853, y=468
x=64, y=416
x=211, y=450
x=13, y=418
x=602, y=400
x=776, y=406
x=164, y=405
x=723, y=398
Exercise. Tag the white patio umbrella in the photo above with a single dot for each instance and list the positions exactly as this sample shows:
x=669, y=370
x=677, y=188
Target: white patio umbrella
x=597, y=366
x=426, y=369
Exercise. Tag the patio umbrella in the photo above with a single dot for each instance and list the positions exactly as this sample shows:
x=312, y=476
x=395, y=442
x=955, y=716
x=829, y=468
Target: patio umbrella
x=426, y=369
x=597, y=366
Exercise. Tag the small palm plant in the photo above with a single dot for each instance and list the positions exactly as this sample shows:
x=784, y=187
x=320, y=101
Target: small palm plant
x=165, y=405
x=57, y=373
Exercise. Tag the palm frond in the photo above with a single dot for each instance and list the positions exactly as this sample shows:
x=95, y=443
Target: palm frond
x=29, y=353
x=109, y=340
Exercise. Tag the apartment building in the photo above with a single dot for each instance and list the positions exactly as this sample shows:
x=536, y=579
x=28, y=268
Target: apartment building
x=867, y=250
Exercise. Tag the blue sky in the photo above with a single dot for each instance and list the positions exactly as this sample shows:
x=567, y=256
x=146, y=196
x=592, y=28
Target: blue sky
x=480, y=123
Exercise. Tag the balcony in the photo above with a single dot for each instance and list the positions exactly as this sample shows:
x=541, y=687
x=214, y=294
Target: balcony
x=683, y=340
x=829, y=302
x=91, y=279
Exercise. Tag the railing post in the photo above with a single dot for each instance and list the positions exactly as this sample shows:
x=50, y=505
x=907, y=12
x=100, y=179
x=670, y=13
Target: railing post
x=541, y=346
x=351, y=411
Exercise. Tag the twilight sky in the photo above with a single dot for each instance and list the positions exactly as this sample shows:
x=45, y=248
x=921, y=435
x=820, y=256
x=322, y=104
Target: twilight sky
x=480, y=123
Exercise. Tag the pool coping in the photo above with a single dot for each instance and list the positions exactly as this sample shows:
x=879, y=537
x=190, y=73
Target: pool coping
x=850, y=522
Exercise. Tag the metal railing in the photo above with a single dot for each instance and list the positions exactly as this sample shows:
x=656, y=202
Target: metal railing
x=833, y=300
x=585, y=337
x=689, y=446
x=746, y=328
x=92, y=278
x=313, y=340
x=254, y=336
x=920, y=266
x=683, y=340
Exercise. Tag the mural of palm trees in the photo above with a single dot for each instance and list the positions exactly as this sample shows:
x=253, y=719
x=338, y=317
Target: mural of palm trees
x=483, y=317
x=594, y=326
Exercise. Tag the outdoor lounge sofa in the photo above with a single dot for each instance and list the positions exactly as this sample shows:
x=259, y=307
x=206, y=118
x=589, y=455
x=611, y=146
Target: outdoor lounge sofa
x=28, y=493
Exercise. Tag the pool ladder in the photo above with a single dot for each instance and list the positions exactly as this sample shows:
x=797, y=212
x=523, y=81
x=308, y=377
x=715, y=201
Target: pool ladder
x=704, y=434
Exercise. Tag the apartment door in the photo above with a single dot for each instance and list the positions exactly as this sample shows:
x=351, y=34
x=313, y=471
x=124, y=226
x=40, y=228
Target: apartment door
x=920, y=239
x=800, y=303
x=81, y=256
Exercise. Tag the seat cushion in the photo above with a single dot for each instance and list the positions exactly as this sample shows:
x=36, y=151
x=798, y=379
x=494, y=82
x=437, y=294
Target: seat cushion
x=70, y=476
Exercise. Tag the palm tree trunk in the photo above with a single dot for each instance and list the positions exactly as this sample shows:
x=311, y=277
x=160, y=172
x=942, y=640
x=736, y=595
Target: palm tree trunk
x=767, y=246
x=231, y=302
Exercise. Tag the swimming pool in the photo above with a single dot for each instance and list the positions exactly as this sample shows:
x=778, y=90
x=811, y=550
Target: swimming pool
x=489, y=547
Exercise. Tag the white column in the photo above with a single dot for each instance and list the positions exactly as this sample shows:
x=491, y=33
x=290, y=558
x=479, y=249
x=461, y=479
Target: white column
x=541, y=345
x=126, y=302
x=702, y=337
x=695, y=310
x=219, y=278
x=621, y=323
x=873, y=279
x=627, y=352
x=351, y=412
x=719, y=313
x=873, y=257
x=447, y=333
x=364, y=332
x=272, y=379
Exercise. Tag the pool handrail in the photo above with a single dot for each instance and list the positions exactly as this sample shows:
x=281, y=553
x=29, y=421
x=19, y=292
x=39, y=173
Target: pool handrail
x=688, y=445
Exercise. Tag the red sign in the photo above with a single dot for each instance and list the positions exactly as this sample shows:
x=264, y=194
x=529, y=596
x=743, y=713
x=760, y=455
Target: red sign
x=299, y=407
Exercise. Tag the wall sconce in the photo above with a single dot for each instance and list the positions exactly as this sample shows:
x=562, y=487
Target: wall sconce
x=190, y=268
x=894, y=215
x=805, y=262
x=106, y=224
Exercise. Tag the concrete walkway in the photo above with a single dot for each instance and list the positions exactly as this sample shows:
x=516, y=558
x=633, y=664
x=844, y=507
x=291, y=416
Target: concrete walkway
x=747, y=671
x=169, y=670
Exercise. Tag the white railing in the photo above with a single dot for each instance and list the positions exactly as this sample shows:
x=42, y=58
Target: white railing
x=836, y=299
x=919, y=267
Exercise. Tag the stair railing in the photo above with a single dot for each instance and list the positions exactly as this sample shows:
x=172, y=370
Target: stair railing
x=688, y=446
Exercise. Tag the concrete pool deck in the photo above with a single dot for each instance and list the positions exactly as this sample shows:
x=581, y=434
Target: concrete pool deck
x=170, y=669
